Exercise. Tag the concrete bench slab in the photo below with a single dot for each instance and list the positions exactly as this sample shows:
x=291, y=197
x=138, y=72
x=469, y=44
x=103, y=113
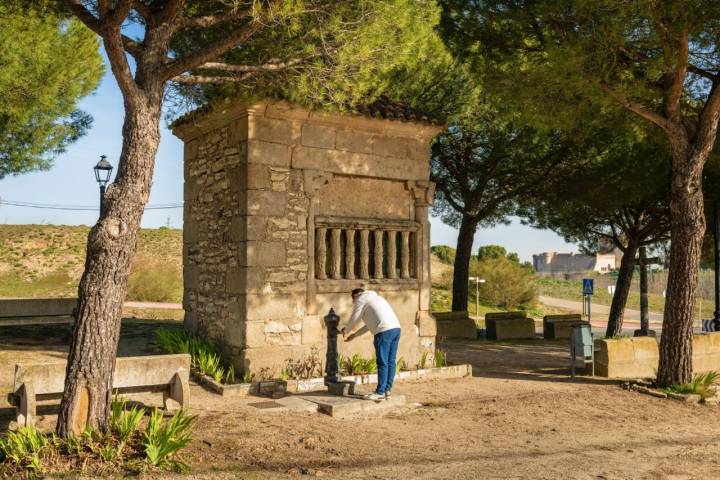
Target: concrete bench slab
x=167, y=373
x=559, y=326
x=509, y=326
x=455, y=325
x=37, y=311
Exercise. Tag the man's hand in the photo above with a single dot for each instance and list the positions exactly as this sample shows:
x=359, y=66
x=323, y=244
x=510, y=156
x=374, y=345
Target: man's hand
x=349, y=337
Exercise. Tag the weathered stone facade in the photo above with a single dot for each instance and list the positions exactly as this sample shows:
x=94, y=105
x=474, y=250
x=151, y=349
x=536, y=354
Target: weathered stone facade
x=286, y=211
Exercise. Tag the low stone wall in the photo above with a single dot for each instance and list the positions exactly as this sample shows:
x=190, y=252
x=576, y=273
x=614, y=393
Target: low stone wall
x=559, y=326
x=273, y=387
x=638, y=357
x=508, y=326
x=37, y=311
x=455, y=325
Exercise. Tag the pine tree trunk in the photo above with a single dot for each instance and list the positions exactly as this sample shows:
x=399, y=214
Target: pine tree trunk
x=687, y=227
x=622, y=289
x=466, y=236
x=110, y=249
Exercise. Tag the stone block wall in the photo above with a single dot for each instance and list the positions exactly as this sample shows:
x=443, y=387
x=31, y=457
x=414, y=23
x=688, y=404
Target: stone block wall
x=257, y=177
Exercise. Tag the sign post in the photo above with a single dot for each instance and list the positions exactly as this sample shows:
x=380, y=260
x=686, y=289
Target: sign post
x=477, y=281
x=588, y=290
x=643, y=261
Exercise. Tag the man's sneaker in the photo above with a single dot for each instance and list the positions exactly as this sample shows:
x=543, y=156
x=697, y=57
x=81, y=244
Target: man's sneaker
x=376, y=397
x=387, y=394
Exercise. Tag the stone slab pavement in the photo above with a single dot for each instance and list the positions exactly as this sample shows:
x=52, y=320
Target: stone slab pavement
x=333, y=405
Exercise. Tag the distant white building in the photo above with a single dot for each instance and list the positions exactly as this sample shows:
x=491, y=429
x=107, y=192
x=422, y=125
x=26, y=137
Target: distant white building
x=554, y=262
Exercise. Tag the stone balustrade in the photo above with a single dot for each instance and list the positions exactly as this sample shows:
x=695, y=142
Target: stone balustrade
x=349, y=249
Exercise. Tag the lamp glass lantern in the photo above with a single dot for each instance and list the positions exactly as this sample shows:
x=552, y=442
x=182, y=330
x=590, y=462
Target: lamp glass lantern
x=103, y=170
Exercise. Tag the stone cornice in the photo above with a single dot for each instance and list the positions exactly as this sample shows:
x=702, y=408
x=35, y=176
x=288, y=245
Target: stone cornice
x=207, y=119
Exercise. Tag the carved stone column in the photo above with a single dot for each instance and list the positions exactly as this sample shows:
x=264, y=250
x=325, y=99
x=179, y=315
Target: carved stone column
x=313, y=180
x=392, y=254
x=405, y=255
x=350, y=254
x=320, y=254
x=365, y=254
x=378, y=261
x=336, y=254
x=423, y=193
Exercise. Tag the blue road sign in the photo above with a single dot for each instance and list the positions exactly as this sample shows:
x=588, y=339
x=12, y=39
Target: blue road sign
x=587, y=286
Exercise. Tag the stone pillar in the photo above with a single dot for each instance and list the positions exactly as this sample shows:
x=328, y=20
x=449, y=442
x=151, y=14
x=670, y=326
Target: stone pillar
x=350, y=254
x=365, y=254
x=320, y=254
x=378, y=262
x=312, y=181
x=336, y=254
x=392, y=253
x=405, y=255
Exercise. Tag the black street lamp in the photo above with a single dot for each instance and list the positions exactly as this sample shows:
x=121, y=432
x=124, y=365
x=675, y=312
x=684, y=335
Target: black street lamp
x=103, y=170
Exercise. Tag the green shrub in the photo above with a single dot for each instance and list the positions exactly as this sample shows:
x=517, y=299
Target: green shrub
x=507, y=284
x=423, y=360
x=702, y=384
x=357, y=365
x=125, y=422
x=205, y=358
x=25, y=448
x=163, y=439
x=439, y=358
x=444, y=253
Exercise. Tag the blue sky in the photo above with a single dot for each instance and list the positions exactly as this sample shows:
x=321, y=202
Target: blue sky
x=71, y=182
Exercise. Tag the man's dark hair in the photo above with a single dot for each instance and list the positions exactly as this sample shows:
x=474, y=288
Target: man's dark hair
x=356, y=292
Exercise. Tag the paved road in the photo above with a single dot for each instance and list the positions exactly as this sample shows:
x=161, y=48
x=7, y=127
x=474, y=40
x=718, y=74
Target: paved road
x=600, y=312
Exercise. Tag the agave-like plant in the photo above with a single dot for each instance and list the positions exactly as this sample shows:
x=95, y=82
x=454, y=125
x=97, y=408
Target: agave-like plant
x=163, y=439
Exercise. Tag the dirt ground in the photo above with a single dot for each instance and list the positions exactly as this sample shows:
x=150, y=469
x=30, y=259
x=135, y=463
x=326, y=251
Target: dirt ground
x=518, y=417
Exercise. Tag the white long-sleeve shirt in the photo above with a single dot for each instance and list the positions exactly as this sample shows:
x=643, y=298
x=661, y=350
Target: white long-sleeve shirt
x=375, y=311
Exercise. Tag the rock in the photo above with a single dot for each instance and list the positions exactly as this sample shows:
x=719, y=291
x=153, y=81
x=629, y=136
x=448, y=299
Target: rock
x=714, y=400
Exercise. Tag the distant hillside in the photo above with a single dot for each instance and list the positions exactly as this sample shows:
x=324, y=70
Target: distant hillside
x=48, y=260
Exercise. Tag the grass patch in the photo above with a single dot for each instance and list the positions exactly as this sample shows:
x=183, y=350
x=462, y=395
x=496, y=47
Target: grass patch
x=154, y=282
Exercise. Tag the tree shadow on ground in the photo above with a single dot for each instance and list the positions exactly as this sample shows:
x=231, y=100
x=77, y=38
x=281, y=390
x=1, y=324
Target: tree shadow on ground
x=534, y=360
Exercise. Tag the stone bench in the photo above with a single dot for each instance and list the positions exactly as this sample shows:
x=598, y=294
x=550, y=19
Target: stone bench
x=455, y=325
x=37, y=311
x=508, y=325
x=559, y=326
x=157, y=373
x=638, y=357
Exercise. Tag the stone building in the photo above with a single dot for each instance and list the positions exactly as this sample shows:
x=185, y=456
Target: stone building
x=286, y=211
x=554, y=262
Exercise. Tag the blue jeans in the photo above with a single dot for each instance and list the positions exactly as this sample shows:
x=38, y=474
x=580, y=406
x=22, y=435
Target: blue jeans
x=386, y=345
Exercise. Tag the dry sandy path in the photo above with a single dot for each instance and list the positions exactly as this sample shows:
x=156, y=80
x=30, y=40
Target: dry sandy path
x=519, y=417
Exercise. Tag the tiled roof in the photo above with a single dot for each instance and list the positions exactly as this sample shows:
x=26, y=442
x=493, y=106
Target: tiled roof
x=383, y=107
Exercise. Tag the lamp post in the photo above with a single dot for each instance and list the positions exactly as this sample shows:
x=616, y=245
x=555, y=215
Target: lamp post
x=477, y=281
x=103, y=170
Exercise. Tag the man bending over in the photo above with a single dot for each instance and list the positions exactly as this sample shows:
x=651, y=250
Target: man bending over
x=381, y=321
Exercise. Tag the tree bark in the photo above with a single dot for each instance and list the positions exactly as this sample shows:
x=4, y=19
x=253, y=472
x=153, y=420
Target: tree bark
x=687, y=227
x=622, y=289
x=110, y=249
x=466, y=236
